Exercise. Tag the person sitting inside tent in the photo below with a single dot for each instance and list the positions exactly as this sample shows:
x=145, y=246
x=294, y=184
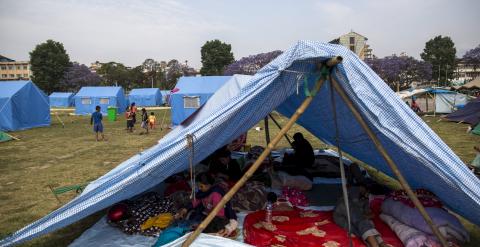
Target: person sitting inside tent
x=415, y=107
x=223, y=166
x=208, y=196
x=360, y=216
x=302, y=159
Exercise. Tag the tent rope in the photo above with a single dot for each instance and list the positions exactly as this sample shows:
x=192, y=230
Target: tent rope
x=191, y=146
x=342, y=167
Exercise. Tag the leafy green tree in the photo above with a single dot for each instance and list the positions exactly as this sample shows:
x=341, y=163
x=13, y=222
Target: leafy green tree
x=49, y=61
x=152, y=71
x=114, y=73
x=216, y=55
x=440, y=53
x=174, y=71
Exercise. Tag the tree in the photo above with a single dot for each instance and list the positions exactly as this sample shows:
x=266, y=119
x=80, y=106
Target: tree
x=400, y=71
x=174, y=71
x=114, y=73
x=216, y=55
x=472, y=58
x=251, y=64
x=152, y=70
x=77, y=76
x=48, y=62
x=440, y=53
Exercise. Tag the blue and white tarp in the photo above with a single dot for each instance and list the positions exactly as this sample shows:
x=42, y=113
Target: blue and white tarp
x=89, y=97
x=416, y=149
x=59, y=99
x=165, y=96
x=145, y=97
x=23, y=106
x=191, y=93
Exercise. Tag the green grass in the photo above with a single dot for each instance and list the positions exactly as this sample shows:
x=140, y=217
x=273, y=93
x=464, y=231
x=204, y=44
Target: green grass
x=66, y=156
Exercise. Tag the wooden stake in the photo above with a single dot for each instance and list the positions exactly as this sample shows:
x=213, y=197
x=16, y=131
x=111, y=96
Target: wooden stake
x=388, y=159
x=301, y=109
x=280, y=127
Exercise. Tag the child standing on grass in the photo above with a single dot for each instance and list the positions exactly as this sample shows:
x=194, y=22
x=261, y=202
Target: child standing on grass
x=96, y=120
x=129, y=117
x=151, y=120
x=145, y=120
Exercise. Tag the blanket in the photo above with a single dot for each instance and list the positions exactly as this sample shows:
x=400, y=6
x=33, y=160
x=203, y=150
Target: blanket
x=447, y=224
x=409, y=236
x=303, y=228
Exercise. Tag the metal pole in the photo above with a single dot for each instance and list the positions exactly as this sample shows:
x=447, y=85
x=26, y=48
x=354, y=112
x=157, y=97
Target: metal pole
x=388, y=160
x=301, y=109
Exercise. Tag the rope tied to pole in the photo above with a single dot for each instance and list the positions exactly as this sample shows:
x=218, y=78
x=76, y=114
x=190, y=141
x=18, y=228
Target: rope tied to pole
x=191, y=145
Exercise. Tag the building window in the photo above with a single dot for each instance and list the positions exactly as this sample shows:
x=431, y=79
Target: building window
x=19, y=75
x=352, y=40
x=191, y=102
x=12, y=76
x=25, y=75
x=19, y=67
x=4, y=67
x=86, y=101
x=4, y=76
x=25, y=67
x=352, y=48
x=10, y=67
x=104, y=101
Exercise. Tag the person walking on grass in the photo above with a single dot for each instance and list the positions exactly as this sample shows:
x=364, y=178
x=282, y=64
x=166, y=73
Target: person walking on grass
x=129, y=117
x=96, y=120
x=144, y=124
x=151, y=120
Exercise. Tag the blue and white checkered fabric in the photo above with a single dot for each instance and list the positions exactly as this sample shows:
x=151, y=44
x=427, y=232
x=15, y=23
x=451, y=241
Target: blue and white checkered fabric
x=424, y=159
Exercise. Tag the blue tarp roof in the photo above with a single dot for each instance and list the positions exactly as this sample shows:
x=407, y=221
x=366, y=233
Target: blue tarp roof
x=145, y=97
x=98, y=91
x=144, y=91
x=61, y=95
x=200, y=84
x=418, y=152
x=22, y=106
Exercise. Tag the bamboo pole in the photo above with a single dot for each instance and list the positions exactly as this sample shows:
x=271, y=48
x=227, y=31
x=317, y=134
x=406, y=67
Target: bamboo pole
x=301, y=109
x=280, y=127
x=388, y=159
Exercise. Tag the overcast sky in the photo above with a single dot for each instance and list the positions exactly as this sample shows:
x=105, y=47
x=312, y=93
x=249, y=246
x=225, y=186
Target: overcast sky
x=131, y=31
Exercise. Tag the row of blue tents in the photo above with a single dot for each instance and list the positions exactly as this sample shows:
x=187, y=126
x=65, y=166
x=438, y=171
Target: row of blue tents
x=23, y=105
x=141, y=96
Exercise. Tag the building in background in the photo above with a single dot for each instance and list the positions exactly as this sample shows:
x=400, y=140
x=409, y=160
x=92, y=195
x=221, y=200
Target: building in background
x=465, y=72
x=14, y=70
x=356, y=43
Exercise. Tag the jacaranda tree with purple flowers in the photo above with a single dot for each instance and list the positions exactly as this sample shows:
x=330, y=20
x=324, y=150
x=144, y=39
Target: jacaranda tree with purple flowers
x=400, y=71
x=472, y=57
x=77, y=76
x=251, y=64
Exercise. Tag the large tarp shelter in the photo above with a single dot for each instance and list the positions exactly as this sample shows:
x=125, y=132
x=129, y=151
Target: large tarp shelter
x=469, y=114
x=191, y=93
x=145, y=97
x=447, y=101
x=23, y=106
x=89, y=97
x=60, y=99
x=418, y=152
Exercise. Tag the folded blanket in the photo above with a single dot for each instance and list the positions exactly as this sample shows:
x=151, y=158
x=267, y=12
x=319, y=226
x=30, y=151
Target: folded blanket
x=409, y=236
x=448, y=224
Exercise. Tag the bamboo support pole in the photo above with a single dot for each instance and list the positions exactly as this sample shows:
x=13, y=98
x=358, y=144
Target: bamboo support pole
x=389, y=160
x=280, y=127
x=301, y=109
x=267, y=137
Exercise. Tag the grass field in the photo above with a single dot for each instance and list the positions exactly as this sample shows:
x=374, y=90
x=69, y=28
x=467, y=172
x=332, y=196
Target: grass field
x=59, y=156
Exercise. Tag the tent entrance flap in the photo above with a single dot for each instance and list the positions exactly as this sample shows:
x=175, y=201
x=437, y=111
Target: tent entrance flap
x=300, y=110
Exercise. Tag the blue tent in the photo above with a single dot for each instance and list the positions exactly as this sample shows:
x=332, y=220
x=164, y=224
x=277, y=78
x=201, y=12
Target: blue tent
x=418, y=152
x=58, y=99
x=165, y=96
x=192, y=92
x=89, y=97
x=145, y=97
x=23, y=106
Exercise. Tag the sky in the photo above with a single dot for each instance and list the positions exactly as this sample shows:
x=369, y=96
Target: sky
x=131, y=31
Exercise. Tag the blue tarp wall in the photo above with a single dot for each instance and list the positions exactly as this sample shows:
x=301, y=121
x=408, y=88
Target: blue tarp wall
x=165, y=96
x=202, y=87
x=88, y=97
x=58, y=99
x=23, y=106
x=145, y=97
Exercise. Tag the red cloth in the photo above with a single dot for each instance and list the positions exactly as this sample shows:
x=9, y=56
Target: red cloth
x=303, y=228
x=180, y=185
x=427, y=198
